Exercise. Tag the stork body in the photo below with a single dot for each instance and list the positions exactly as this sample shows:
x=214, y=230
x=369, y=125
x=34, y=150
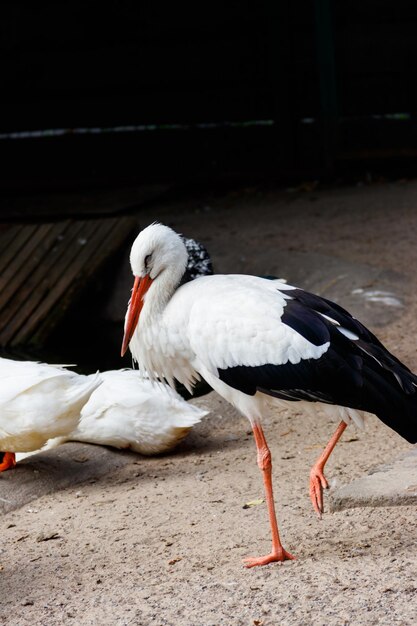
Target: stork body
x=254, y=340
x=38, y=402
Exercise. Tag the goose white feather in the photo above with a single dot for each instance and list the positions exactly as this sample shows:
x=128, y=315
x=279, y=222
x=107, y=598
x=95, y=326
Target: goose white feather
x=130, y=411
x=38, y=402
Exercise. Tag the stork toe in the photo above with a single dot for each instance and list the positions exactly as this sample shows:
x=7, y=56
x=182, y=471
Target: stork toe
x=318, y=482
x=273, y=557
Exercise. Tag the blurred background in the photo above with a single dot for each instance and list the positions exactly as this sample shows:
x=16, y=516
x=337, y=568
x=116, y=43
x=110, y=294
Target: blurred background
x=154, y=91
x=110, y=108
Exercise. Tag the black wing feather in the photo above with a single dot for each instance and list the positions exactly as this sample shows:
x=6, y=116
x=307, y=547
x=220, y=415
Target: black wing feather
x=356, y=373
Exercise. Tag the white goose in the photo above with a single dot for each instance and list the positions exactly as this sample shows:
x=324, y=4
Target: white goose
x=254, y=340
x=38, y=402
x=130, y=411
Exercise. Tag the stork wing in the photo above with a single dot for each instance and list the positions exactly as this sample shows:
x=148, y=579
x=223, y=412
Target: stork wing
x=296, y=346
x=240, y=320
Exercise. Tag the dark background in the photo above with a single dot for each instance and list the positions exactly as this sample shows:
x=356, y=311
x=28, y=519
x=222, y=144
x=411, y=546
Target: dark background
x=276, y=88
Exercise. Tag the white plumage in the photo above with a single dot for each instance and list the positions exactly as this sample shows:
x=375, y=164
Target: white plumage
x=38, y=402
x=193, y=338
x=130, y=411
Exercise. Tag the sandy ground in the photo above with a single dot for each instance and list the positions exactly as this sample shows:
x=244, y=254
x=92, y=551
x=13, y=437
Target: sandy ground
x=160, y=541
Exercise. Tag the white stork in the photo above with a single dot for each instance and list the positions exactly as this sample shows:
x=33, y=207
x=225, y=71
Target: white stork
x=254, y=339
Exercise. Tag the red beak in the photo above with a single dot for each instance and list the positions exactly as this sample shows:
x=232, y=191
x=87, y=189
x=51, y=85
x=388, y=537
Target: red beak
x=140, y=287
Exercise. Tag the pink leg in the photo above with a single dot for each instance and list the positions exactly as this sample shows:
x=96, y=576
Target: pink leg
x=265, y=465
x=318, y=481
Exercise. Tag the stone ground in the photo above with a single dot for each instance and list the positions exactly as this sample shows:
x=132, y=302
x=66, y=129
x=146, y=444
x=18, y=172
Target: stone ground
x=159, y=541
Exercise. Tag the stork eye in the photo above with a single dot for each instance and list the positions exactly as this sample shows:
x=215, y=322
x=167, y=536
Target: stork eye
x=147, y=260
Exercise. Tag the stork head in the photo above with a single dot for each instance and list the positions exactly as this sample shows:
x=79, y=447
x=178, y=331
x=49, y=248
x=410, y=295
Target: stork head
x=158, y=254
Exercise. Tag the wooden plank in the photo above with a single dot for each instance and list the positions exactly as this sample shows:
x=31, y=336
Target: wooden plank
x=70, y=268
x=12, y=275
x=24, y=285
x=100, y=240
x=101, y=246
x=13, y=244
x=7, y=233
x=40, y=280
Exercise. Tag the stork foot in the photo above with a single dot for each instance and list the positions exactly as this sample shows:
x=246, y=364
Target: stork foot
x=318, y=482
x=9, y=460
x=276, y=555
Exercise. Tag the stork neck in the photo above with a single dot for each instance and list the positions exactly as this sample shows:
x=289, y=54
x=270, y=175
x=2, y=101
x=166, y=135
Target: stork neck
x=161, y=292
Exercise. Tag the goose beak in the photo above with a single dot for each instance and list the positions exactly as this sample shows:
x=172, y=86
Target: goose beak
x=140, y=287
